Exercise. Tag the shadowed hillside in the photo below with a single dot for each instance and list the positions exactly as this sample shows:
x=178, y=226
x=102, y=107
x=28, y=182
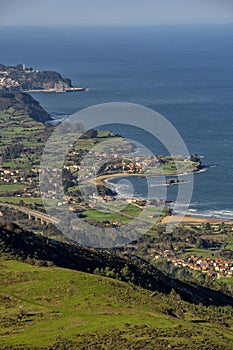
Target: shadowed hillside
x=22, y=104
x=35, y=249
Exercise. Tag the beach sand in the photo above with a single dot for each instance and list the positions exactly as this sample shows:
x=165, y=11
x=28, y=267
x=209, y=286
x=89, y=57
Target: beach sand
x=192, y=220
x=100, y=180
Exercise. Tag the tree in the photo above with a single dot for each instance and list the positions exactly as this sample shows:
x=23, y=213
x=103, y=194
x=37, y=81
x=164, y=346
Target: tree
x=125, y=273
x=21, y=203
x=202, y=244
x=12, y=151
x=109, y=273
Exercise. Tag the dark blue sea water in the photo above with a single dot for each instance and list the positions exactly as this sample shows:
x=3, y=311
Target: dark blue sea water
x=185, y=73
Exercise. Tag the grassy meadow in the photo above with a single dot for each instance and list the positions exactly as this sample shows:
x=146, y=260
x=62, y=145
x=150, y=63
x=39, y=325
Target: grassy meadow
x=55, y=308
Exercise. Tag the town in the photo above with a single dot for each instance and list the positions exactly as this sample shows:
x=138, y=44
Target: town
x=21, y=78
x=213, y=267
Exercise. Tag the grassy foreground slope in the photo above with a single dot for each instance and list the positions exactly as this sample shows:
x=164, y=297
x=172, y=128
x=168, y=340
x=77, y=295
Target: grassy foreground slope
x=55, y=308
x=35, y=249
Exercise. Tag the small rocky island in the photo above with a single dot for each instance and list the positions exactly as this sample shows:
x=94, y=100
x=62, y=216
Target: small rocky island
x=21, y=78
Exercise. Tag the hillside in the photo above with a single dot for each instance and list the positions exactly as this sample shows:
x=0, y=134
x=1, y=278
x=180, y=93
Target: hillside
x=54, y=308
x=35, y=249
x=17, y=104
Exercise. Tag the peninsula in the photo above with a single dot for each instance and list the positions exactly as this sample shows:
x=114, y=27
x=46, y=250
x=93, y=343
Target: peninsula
x=21, y=78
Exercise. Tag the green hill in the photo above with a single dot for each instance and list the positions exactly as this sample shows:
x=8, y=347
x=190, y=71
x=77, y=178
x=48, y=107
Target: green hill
x=55, y=308
x=23, y=132
x=43, y=306
x=35, y=249
x=17, y=104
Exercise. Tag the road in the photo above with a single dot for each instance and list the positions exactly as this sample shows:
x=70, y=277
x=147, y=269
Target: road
x=32, y=213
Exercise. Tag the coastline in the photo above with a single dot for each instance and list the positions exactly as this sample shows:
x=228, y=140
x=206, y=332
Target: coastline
x=188, y=219
x=102, y=179
x=58, y=91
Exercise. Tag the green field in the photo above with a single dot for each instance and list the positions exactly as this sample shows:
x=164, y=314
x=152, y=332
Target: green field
x=41, y=307
x=101, y=216
x=25, y=131
x=230, y=244
x=197, y=252
x=17, y=200
x=12, y=187
x=97, y=215
x=226, y=280
x=12, y=164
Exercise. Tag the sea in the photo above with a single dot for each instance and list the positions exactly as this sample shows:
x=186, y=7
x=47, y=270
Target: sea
x=183, y=72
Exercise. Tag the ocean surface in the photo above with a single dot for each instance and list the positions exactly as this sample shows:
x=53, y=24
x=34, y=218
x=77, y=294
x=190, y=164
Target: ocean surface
x=184, y=73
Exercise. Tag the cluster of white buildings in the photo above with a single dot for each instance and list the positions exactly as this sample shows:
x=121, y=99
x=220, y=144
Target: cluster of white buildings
x=9, y=84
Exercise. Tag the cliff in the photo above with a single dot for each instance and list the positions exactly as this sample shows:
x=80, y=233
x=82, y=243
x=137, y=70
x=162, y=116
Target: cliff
x=20, y=103
x=20, y=78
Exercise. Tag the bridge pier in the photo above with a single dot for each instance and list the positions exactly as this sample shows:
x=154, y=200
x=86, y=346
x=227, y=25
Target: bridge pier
x=33, y=214
x=37, y=218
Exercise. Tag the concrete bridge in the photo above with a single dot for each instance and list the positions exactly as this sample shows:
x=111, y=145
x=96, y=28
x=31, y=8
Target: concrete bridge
x=33, y=214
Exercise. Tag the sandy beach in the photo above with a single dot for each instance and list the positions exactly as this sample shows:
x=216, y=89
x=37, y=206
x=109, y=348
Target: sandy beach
x=192, y=220
x=101, y=180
